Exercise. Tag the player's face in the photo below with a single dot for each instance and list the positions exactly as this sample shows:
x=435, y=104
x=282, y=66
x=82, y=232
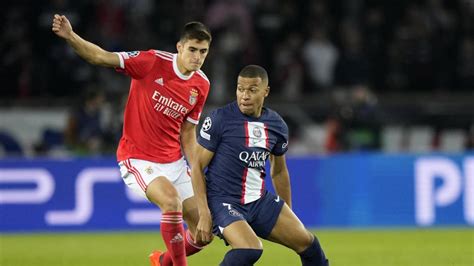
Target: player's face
x=191, y=55
x=251, y=93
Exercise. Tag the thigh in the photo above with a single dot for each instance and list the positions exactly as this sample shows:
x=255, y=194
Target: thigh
x=239, y=234
x=139, y=174
x=290, y=232
x=224, y=214
x=264, y=213
x=135, y=175
x=130, y=179
x=163, y=193
x=163, y=184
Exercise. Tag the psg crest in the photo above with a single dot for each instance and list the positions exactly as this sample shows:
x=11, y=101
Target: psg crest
x=193, y=97
x=257, y=132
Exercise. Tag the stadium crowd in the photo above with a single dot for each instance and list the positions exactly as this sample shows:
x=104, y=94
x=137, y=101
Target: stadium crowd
x=350, y=51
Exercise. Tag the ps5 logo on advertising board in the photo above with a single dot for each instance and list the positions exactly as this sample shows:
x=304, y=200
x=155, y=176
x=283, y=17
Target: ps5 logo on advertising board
x=21, y=186
x=457, y=183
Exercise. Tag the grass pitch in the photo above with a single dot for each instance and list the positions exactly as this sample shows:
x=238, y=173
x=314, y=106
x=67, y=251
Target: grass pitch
x=408, y=247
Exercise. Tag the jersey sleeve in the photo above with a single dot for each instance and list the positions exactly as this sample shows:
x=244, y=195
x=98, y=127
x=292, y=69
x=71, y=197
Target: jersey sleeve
x=195, y=113
x=210, y=132
x=136, y=64
x=281, y=145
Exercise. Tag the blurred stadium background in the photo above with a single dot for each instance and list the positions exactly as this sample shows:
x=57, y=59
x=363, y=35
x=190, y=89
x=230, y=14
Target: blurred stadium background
x=378, y=95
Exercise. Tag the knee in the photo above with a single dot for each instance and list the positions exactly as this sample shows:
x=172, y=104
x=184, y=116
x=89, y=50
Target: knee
x=168, y=202
x=247, y=243
x=255, y=244
x=308, y=240
x=162, y=193
x=171, y=204
x=303, y=242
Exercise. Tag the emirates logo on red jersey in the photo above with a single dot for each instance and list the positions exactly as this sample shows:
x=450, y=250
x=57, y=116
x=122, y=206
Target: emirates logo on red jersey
x=168, y=106
x=193, y=97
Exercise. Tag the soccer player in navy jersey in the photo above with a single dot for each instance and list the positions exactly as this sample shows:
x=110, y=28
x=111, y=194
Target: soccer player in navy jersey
x=235, y=142
x=167, y=94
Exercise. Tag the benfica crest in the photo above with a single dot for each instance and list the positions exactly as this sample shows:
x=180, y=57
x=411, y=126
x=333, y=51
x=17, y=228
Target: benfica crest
x=193, y=97
x=149, y=170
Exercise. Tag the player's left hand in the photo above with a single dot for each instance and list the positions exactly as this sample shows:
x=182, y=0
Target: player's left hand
x=203, y=232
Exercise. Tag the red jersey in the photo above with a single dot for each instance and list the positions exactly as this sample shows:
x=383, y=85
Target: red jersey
x=160, y=99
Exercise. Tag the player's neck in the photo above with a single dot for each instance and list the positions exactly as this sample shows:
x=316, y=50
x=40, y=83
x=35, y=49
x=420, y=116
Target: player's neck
x=256, y=114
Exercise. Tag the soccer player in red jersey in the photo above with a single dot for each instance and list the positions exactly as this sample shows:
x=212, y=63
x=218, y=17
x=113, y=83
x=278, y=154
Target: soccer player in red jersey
x=167, y=95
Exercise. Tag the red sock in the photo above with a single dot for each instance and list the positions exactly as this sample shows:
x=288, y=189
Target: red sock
x=173, y=234
x=190, y=246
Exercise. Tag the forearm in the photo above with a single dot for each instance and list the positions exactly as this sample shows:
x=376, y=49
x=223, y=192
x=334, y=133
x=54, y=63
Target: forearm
x=92, y=53
x=200, y=192
x=188, y=147
x=188, y=140
x=281, y=183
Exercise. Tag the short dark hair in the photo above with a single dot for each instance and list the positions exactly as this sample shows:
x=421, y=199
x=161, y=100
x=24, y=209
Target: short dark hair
x=254, y=71
x=195, y=30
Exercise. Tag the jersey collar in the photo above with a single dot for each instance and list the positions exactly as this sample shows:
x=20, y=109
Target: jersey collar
x=176, y=70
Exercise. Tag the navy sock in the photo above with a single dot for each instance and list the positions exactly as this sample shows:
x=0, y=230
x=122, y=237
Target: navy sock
x=241, y=257
x=314, y=255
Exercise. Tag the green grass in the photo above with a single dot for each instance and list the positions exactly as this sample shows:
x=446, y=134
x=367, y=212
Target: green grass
x=415, y=247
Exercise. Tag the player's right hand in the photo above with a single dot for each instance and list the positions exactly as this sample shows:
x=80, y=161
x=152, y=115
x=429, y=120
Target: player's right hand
x=203, y=232
x=61, y=26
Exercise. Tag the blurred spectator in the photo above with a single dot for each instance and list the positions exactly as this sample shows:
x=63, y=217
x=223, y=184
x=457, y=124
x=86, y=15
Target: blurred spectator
x=320, y=56
x=353, y=125
x=9, y=146
x=84, y=133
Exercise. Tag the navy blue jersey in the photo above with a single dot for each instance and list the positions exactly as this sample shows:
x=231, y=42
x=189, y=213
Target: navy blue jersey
x=241, y=146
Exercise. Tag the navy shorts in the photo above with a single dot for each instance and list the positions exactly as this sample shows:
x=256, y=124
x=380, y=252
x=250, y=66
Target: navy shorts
x=261, y=214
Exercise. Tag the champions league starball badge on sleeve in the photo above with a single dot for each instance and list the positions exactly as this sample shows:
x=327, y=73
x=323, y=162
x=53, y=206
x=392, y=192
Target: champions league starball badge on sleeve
x=133, y=53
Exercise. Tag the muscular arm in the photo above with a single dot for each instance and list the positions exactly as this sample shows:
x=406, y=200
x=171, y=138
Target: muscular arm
x=281, y=177
x=201, y=160
x=87, y=50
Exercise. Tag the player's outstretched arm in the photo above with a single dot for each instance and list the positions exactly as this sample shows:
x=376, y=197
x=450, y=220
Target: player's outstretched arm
x=200, y=161
x=87, y=50
x=280, y=177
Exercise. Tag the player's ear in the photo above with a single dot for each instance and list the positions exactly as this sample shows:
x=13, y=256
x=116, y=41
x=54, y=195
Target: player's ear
x=267, y=91
x=179, y=47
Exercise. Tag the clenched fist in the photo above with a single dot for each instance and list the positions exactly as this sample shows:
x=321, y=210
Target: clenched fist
x=61, y=26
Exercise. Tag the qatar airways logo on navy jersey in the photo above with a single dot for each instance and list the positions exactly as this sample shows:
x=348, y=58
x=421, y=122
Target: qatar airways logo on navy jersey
x=254, y=159
x=168, y=106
